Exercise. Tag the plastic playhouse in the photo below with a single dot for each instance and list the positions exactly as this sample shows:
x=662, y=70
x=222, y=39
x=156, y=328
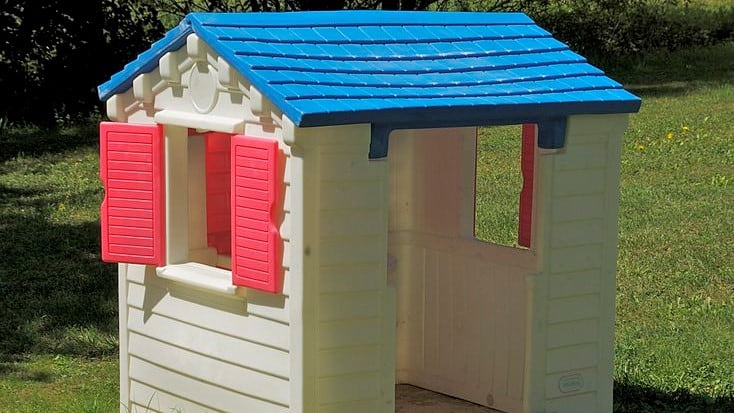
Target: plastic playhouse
x=291, y=201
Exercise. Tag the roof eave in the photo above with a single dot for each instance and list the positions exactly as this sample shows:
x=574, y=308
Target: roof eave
x=146, y=61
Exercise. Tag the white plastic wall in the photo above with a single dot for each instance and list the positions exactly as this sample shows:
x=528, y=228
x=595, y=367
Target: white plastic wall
x=571, y=300
x=188, y=344
x=461, y=302
x=348, y=308
x=200, y=352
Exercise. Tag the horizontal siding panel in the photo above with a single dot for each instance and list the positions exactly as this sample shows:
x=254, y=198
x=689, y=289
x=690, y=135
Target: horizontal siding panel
x=571, y=382
x=351, y=278
x=346, y=306
x=573, y=332
x=573, y=308
x=242, y=353
x=136, y=273
x=137, y=407
x=350, y=195
x=363, y=406
x=335, y=334
x=207, y=394
x=571, y=358
x=574, y=233
x=337, y=167
x=200, y=367
x=580, y=182
x=575, y=208
x=349, y=388
x=151, y=398
x=225, y=315
x=342, y=222
x=582, y=403
x=575, y=283
x=570, y=259
x=585, y=129
x=268, y=305
x=349, y=360
x=582, y=156
x=356, y=250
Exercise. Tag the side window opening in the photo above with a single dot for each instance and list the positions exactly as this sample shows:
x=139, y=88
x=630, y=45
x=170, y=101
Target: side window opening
x=504, y=185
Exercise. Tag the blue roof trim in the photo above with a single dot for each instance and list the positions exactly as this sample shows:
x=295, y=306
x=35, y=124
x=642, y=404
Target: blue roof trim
x=551, y=132
x=393, y=68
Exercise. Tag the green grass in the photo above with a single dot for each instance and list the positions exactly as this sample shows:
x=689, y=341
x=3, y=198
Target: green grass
x=498, y=184
x=58, y=296
x=675, y=301
x=55, y=384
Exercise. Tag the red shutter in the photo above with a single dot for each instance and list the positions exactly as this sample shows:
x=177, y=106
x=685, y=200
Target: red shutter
x=527, y=163
x=218, y=183
x=255, y=192
x=132, y=216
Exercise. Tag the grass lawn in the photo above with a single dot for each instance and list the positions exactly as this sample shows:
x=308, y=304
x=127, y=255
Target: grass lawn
x=675, y=301
x=48, y=383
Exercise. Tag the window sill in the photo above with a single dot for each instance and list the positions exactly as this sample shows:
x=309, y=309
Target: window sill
x=200, y=276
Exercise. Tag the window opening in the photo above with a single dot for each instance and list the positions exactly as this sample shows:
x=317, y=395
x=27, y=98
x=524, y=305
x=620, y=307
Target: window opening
x=502, y=208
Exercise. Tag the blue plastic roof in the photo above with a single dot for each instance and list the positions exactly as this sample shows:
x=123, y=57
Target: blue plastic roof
x=328, y=68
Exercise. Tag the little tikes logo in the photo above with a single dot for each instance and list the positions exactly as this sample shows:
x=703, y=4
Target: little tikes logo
x=571, y=383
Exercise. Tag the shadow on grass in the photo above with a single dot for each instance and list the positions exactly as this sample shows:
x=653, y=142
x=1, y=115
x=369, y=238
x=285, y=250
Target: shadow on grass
x=55, y=293
x=632, y=398
x=672, y=73
x=21, y=372
x=32, y=141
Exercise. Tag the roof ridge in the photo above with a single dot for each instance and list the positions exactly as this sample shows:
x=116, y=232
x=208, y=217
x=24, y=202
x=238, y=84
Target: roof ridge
x=349, y=18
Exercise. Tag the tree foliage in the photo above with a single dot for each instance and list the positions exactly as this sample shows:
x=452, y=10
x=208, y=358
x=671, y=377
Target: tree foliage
x=54, y=53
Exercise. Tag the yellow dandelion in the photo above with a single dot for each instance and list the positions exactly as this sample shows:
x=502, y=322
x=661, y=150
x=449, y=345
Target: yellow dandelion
x=669, y=135
x=684, y=128
x=640, y=146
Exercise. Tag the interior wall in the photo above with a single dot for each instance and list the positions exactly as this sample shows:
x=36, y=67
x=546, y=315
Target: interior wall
x=460, y=301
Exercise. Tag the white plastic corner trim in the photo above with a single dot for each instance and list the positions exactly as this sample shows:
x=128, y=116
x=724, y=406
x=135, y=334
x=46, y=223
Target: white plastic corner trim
x=200, y=276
